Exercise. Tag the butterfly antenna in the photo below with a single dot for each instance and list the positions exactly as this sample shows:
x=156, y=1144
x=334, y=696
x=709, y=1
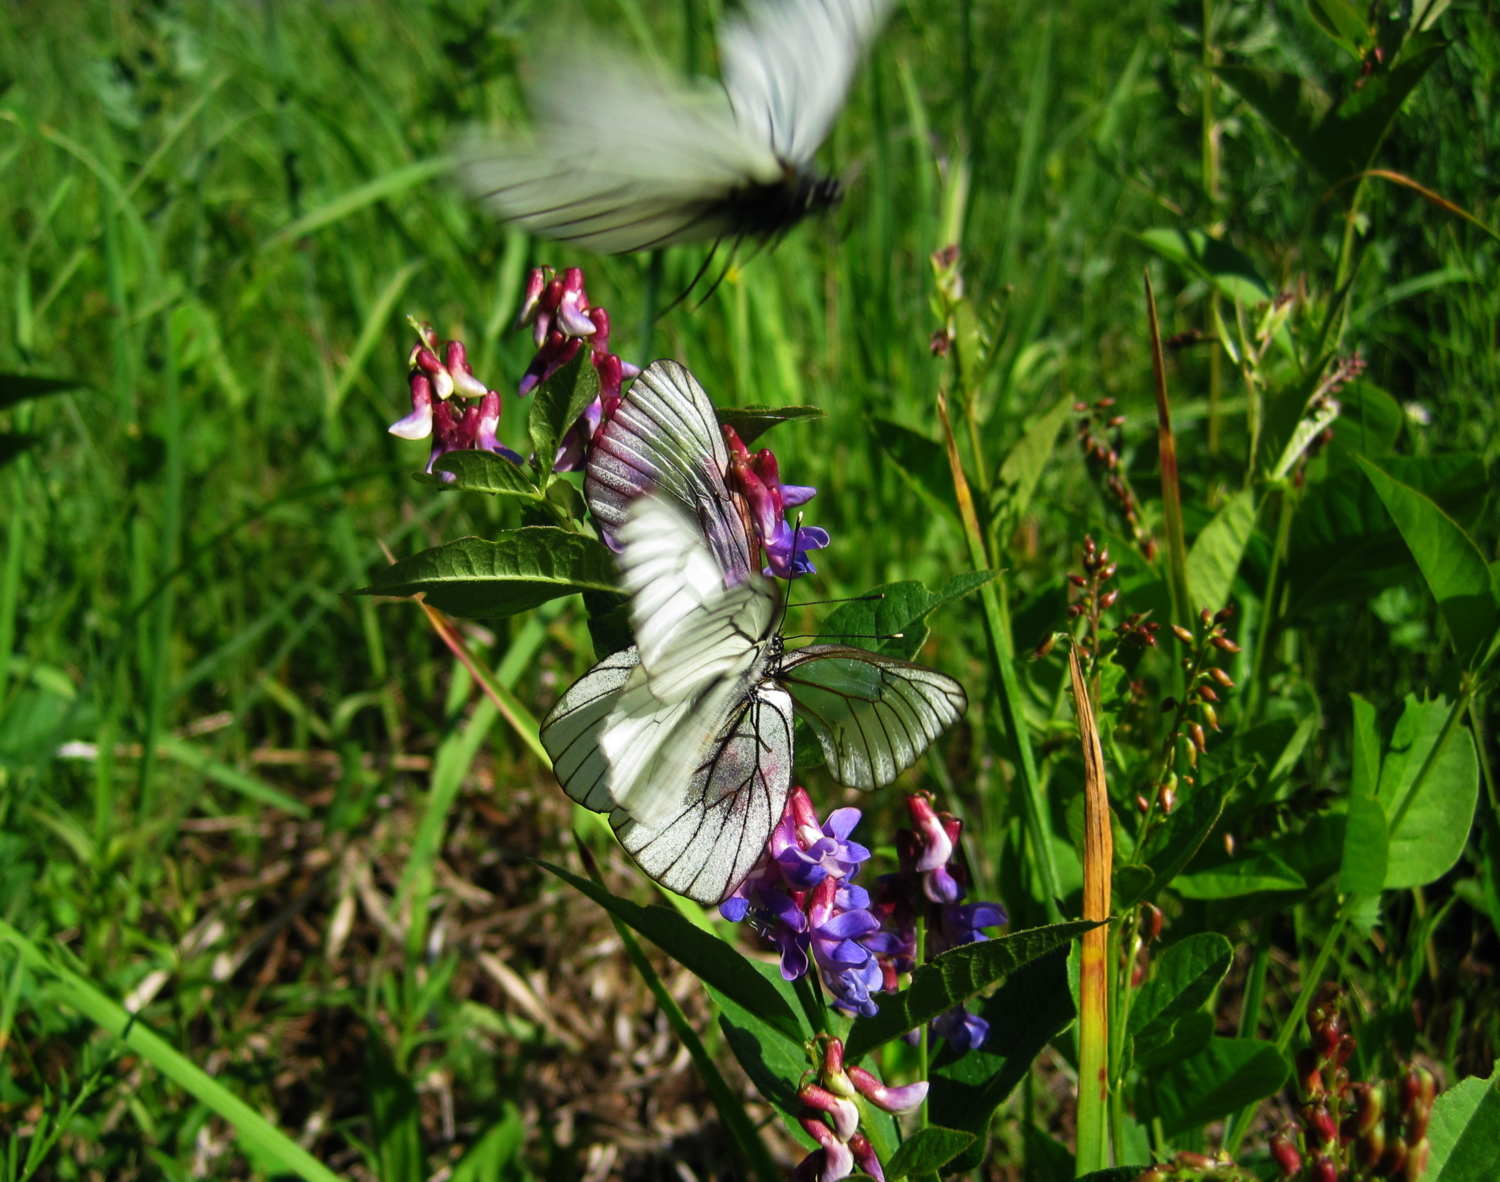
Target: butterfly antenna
x=786, y=602
x=851, y=599
x=708, y=295
x=686, y=291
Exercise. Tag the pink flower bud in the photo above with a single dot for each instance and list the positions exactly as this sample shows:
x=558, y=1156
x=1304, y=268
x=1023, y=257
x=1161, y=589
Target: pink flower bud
x=600, y=320
x=457, y=364
x=1321, y=1169
x=418, y=424
x=489, y=422
x=902, y=1099
x=1286, y=1155
x=936, y=848
x=572, y=308
x=843, y=1113
x=799, y=806
x=536, y=283
x=427, y=361
x=864, y=1156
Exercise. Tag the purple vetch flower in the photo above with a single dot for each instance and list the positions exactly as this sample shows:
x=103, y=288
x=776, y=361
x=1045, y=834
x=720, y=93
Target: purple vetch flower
x=757, y=478
x=962, y=1029
x=831, y=1118
x=562, y=318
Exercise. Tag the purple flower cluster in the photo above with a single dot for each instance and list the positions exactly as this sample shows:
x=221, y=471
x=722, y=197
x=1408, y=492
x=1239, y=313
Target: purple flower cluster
x=757, y=478
x=831, y=1117
x=433, y=383
x=932, y=883
x=558, y=310
x=802, y=897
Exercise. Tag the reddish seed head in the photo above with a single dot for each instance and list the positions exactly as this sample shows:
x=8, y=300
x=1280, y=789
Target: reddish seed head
x=1108, y=600
x=1196, y=733
x=1142, y=803
x=1166, y=797
x=1182, y=634
x=1153, y=918
x=1221, y=677
x=1223, y=642
x=1286, y=1155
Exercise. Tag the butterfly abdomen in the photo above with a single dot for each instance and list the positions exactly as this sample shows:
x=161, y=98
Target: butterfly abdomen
x=766, y=210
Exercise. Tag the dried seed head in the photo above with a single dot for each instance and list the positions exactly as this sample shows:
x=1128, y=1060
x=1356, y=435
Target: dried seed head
x=1182, y=634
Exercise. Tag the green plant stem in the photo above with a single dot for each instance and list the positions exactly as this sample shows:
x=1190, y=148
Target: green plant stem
x=1007, y=686
x=1255, y=988
x=923, y=1034
x=1455, y=712
x=1289, y=1025
x=1120, y=968
x=1269, y=606
x=10, y=579
x=732, y=1112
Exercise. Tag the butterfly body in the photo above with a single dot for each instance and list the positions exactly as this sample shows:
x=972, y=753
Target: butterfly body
x=686, y=739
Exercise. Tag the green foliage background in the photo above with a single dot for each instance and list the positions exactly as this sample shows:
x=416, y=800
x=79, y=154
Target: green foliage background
x=218, y=217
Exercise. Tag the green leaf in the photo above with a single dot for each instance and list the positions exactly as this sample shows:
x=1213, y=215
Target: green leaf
x=1032, y=1007
x=1226, y=268
x=1191, y=1035
x=952, y=977
x=775, y=1063
x=926, y=1151
x=1342, y=21
x=922, y=462
x=394, y=1115
x=1370, y=421
x=398, y=180
x=715, y=962
x=1346, y=545
x=1115, y=1174
x=1428, y=831
x=1366, y=840
x=1243, y=876
x=557, y=404
x=519, y=570
x=1455, y=570
x=898, y=611
x=500, y=1146
x=1222, y=1078
x=1173, y=845
x=751, y=422
x=1185, y=976
x=1023, y=467
x=12, y=444
x=1464, y=1130
x=480, y=471
x=18, y=387
x=1215, y=556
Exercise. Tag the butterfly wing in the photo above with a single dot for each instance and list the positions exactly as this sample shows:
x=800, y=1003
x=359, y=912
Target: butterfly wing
x=788, y=65
x=706, y=846
x=571, y=730
x=622, y=159
x=873, y=715
x=664, y=438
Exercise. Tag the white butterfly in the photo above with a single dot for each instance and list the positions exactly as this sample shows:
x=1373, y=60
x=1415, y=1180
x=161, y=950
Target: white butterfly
x=686, y=738
x=624, y=159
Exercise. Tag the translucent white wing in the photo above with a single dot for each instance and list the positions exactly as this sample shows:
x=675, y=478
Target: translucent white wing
x=788, y=65
x=665, y=438
x=704, y=847
x=690, y=628
x=873, y=715
x=622, y=159
x=570, y=732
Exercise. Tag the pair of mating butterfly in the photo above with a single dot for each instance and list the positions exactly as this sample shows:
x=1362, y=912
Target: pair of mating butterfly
x=685, y=739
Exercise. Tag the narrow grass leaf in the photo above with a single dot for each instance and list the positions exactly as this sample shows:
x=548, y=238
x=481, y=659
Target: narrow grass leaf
x=1451, y=563
x=519, y=570
x=952, y=977
x=376, y=325
x=394, y=1115
x=710, y=958
x=253, y=1130
x=18, y=387
x=355, y=199
x=183, y=752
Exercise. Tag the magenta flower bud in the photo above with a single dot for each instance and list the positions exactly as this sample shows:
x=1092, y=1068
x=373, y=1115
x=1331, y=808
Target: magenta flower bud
x=1319, y=1124
x=611, y=378
x=629, y=370
x=735, y=445
x=552, y=356
x=600, y=320
x=457, y=365
x=838, y=1161
x=864, y=1156
x=936, y=848
x=572, y=308
x=1286, y=1155
x=887, y=1099
x=531, y=301
x=418, y=424
x=799, y=806
x=833, y=1063
x=843, y=1113
x=427, y=361
x=489, y=422
x=426, y=332
x=1321, y=1169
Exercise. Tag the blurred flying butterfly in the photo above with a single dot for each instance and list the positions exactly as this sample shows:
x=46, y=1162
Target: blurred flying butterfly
x=685, y=739
x=624, y=159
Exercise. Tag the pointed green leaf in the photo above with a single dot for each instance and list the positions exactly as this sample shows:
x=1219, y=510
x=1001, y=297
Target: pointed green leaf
x=926, y=1151
x=1464, y=1130
x=1228, y=269
x=751, y=422
x=1222, y=1078
x=1215, y=556
x=898, y=611
x=394, y=1115
x=716, y=963
x=519, y=570
x=480, y=471
x=922, y=462
x=1429, y=822
x=954, y=976
x=557, y=404
x=1366, y=839
x=1185, y=976
x=18, y=387
x=1451, y=563
x=1245, y=875
x=1024, y=464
